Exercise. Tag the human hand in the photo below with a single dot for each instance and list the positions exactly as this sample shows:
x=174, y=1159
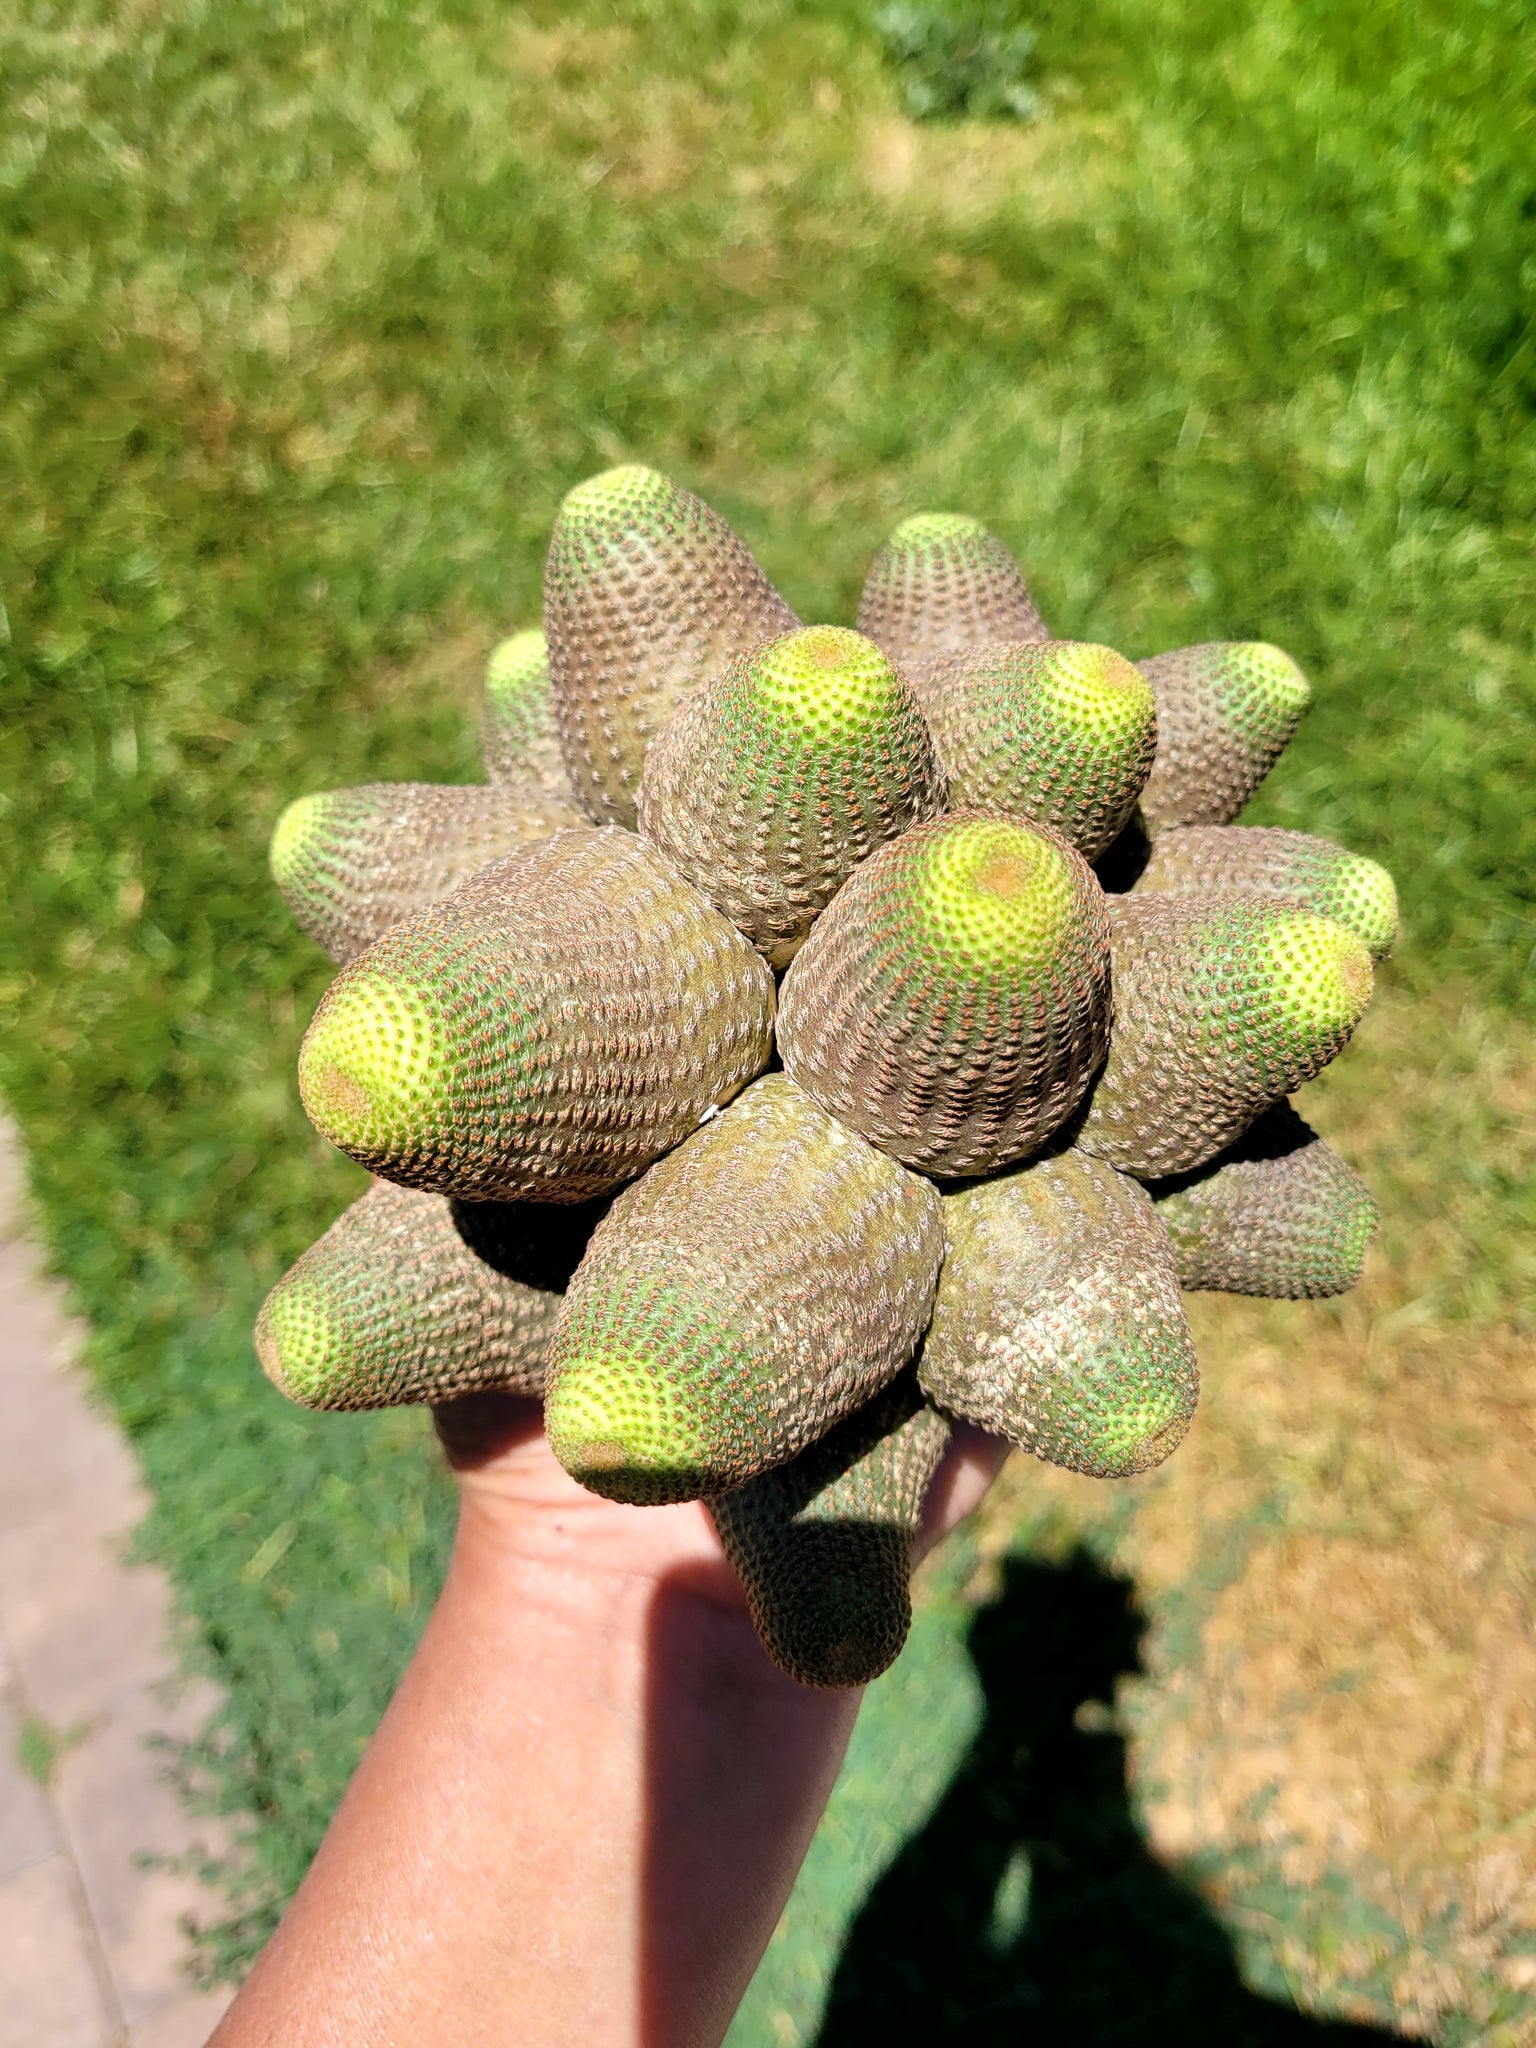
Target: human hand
x=591, y=1795
x=520, y=1504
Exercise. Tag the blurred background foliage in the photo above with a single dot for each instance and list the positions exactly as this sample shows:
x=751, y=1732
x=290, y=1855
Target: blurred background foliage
x=960, y=57
x=312, y=312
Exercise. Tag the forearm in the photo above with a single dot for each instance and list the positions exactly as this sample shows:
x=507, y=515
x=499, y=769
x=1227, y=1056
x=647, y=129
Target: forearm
x=577, y=1823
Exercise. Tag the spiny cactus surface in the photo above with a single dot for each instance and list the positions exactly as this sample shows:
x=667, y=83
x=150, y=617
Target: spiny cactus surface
x=953, y=1000
x=518, y=737
x=824, y=1544
x=1223, y=1003
x=1278, y=1213
x=394, y=1305
x=679, y=1369
x=647, y=593
x=1266, y=860
x=353, y=862
x=1225, y=709
x=775, y=1290
x=780, y=775
x=561, y=1019
x=943, y=583
x=1059, y=731
x=1059, y=1322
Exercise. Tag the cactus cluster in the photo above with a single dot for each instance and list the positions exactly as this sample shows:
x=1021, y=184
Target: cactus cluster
x=807, y=1038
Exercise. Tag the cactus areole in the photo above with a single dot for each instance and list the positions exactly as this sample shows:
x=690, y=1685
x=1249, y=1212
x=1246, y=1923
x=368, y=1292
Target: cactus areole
x=1037, y=1004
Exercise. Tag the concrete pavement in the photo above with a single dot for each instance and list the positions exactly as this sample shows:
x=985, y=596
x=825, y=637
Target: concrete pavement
x=93, y=1948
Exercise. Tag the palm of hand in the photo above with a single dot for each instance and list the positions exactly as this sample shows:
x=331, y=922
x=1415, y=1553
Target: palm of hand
x=528, y=1507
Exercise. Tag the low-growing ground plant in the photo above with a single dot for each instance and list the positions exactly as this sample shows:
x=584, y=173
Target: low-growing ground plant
x=973, y=59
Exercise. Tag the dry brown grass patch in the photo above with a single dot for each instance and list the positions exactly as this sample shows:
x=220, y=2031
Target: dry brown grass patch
x=1338, y=1565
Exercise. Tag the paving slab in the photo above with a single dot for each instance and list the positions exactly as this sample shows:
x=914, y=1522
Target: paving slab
x=122, y=1818
x=185, y=2024
x=84, y=1628
x=54, y=1997
x=93, y=1926
x=29, y=1832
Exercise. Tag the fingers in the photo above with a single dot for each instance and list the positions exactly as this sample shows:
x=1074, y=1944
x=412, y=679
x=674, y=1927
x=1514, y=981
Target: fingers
x=970, y=1465
x=494, y=1444
x=479, y=1427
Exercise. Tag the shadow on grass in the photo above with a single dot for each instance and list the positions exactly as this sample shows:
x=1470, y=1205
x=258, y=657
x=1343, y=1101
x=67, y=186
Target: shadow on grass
x=1029, y=1908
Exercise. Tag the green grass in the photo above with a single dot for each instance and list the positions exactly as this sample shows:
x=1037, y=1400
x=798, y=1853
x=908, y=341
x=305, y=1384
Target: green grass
x=40, y=1746
x=312, y=313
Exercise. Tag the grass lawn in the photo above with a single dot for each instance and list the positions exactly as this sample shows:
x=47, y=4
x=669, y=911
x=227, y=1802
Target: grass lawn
x=311, y=314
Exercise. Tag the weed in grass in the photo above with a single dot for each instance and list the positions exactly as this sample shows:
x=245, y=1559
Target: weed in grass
x=39, y=1746
x=956, y=59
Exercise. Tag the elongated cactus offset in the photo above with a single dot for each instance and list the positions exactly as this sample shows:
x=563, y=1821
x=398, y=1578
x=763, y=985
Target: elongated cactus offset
x=679, y=1368
x=775, y=1291
x=353, y=862
x=1225, y=710
x=647, y=593
x=1223, y=1003
x=953, y=1001
x=942, y=584
x=1264, y=860
x=1059, y=1323
x=1058, y=731
x=824, y=1543
x=394, y=1306
x=518, y=738
x=563, y=1018
x=778, y=777
x=1278, y=1214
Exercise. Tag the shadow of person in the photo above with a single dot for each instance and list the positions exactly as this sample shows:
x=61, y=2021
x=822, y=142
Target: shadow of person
x=1029, y=1909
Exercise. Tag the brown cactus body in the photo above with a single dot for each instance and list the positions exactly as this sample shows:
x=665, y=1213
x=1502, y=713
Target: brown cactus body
x=773, y=781
x=392, y=1306
x=559, y=1021
x=1225, y=709
x=1058, y=1322
x=1276, y=1214
x=353, y=862
x=1222, y=1005
x=1266, y=860
x=647, y=593
x=759, y=1283
x=953, y=1002
x=823, y=1545
x=1055, y=732
x=943, y=583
